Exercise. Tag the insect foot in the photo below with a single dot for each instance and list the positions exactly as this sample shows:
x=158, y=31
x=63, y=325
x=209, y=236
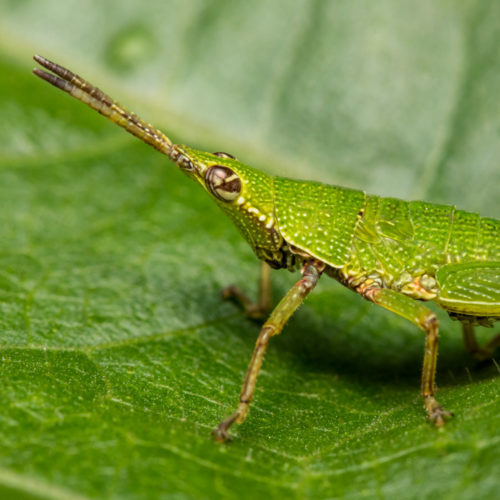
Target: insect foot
x=220, y=433
x=436, y=413
x=236, y=294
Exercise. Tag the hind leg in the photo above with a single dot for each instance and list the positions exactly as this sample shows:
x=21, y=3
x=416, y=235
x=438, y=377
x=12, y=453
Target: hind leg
x=471, y=345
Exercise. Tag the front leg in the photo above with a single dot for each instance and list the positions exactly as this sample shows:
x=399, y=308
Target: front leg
x=277, y=320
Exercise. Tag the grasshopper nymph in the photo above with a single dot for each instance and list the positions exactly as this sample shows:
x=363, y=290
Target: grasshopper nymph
x=392, y=252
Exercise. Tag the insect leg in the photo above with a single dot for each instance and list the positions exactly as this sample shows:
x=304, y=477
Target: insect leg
x=261, y=307
x=425, y=319
x=273, y=326
x=472, y=346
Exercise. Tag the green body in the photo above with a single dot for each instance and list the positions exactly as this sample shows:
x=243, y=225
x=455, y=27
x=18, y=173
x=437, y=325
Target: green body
x=389, y=251
x=423, y=250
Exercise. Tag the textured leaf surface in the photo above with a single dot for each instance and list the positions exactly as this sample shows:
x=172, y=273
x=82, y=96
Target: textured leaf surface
x=117, y=355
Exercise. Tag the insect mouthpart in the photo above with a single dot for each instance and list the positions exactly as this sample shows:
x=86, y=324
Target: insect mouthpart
x=223, y=183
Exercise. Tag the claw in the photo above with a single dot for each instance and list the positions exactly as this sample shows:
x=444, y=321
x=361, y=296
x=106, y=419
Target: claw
x=437, y=414
x=220, y=433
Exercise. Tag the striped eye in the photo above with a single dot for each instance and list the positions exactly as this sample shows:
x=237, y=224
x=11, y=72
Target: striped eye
x=223, y=183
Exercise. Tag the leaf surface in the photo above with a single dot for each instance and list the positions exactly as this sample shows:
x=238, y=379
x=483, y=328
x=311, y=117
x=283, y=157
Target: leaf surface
x=118, y=356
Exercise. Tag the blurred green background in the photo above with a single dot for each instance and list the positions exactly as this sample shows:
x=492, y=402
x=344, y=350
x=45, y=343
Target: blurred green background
x=118, y=356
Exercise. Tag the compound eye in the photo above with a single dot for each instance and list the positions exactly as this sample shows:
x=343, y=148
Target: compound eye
x=223, y=183
x=221, y=154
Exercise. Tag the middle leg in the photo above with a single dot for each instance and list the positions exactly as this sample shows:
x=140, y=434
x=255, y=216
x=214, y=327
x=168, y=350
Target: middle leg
x=426, y=320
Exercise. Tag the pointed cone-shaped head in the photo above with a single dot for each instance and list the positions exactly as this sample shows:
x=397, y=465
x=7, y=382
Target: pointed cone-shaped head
x=245, y=194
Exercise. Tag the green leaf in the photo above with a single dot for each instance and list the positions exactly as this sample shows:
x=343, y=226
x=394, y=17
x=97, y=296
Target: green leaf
x=118, y=356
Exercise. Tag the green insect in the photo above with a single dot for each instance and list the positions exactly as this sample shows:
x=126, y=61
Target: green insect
x=392, y=252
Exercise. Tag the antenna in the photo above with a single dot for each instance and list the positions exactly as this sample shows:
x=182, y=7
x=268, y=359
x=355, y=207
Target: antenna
x=95, y=98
